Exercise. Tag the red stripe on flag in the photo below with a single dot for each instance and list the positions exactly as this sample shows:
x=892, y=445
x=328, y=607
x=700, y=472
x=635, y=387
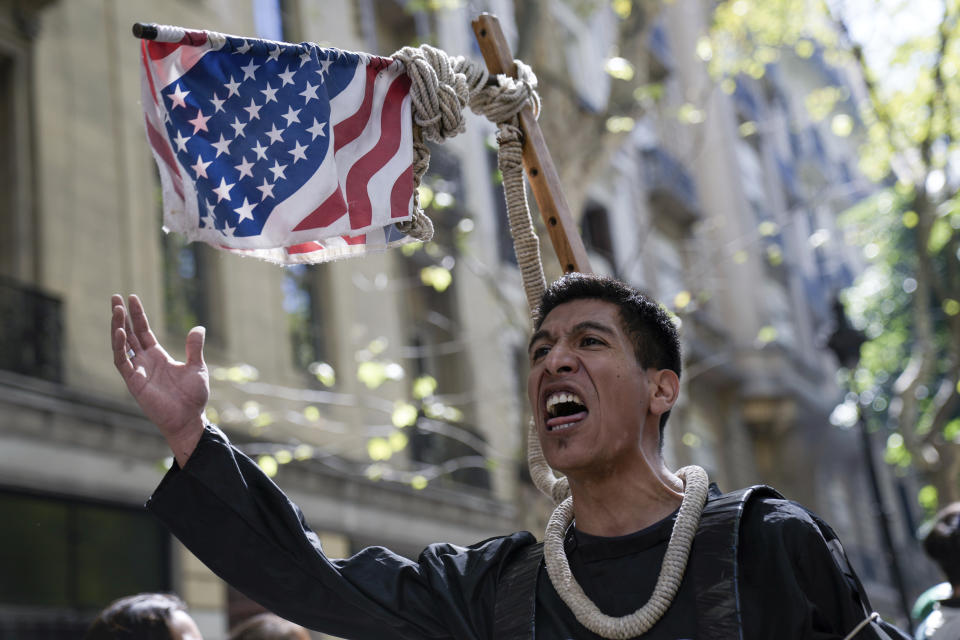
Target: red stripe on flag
x=352, y=240
x=159, y=144
x=358, y=199
x=305, y=247
x=348, y=130
x=159, y=50
x=147, y=71
x=194, y=38
x=326, y=214
x=401, y=193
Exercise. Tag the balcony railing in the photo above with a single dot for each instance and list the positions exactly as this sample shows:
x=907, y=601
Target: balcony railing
x=671, y=188
x=31, y=331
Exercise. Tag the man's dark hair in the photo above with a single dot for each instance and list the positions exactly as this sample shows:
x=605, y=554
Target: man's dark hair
x=145, y=616
x=656, y=342
x=942, y=543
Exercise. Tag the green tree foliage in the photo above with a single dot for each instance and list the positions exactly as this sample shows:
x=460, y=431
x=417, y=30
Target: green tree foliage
x=907, y=122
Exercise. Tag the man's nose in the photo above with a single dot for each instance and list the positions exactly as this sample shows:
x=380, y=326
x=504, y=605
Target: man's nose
x=561, y=359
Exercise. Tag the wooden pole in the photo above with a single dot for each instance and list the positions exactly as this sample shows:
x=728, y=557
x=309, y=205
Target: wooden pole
x=541, y=173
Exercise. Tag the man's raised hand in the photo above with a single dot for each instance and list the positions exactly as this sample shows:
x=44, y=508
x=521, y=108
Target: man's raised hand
x=172, y=394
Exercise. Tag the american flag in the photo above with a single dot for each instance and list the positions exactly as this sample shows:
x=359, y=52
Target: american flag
x=292, y=153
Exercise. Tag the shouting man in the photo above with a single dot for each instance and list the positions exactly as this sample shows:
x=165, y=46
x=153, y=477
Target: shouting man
x=637, y=551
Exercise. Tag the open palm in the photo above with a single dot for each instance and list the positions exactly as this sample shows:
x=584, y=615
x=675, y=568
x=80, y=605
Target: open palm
x=172, y=394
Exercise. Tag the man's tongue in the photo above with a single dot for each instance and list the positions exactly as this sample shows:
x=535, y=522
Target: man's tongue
x=565, y=422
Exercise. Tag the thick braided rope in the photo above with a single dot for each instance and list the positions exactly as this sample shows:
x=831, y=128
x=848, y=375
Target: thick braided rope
x=526, y=244
x=671, y=571
x=440, y=87
x=555, y=488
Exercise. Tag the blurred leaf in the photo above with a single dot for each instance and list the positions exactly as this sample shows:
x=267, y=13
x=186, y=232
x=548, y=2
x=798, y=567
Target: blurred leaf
x=379, y=449
x=372, y=374
x=268, y=464
x=425, y=385
x=404, y=415
x=436, y=277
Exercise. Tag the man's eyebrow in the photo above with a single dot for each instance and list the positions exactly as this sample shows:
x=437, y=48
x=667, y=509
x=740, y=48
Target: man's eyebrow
x=586, y=325
x=542, y=333
x=580, y=327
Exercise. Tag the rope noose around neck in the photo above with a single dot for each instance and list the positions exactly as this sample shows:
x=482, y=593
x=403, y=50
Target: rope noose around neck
x=671, y=570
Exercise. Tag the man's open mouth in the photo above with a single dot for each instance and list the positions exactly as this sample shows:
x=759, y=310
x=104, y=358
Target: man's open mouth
x=564, y=410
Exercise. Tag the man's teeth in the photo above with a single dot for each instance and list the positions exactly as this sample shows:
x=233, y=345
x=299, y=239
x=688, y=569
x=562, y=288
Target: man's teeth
x=559, y=398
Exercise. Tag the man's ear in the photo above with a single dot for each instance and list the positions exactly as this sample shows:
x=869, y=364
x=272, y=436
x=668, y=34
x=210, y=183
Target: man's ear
x=665, y=390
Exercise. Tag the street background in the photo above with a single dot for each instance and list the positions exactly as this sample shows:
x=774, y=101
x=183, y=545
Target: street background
x=781, y=175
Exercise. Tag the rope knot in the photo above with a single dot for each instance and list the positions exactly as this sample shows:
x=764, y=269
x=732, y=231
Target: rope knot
x=438, y=90
x=440, y=87
x=503, y=100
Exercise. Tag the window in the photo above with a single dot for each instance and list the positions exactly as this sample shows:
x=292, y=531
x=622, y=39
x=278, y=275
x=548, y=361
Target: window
x=670, y=268
x=389, y=25
x=505, y=249
x=188, y=278
x=186, y=283
x=303, y=288
x=66, y=554
x=9, y=220
x=277, y=20
x=596, y=232
x=17, y=217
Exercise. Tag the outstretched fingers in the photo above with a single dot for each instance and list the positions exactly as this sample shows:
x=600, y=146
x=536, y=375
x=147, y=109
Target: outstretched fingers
x=121, y=359
x=121, y=320
x=139, y=325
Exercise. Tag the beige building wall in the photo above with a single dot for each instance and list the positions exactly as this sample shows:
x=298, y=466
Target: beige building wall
x=751, y=411
x=94, y=195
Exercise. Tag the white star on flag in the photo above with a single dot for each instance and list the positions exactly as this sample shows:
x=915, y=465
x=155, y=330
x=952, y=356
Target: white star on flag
x=253, y=110
x=199, y=123
x=292, y=115
x=238, y=128
x=223, y=191
x=260, y=150
x=278, y=170
x=245, y=211
x=233, y=87
x=309, y=93
x=248, y=71
x=299, y=152
x=270, y=93
x=266, y=189
x=244, y=168
x=274, y=134
x=286, y=76
x=222, y=146
x=200, y=168
x=316, y=129
x=177, y=97
x=181, y=141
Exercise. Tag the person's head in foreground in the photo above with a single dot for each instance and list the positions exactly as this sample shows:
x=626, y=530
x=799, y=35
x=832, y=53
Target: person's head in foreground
x=604, y=374
x=267, y=626
x=145, y=616
x=942, y=543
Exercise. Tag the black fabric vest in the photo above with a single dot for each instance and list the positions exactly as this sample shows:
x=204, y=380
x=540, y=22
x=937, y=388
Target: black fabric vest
x=715, y=574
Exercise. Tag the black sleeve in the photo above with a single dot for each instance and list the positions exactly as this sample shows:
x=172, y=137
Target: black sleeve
x=242, y=526
x=791, y=586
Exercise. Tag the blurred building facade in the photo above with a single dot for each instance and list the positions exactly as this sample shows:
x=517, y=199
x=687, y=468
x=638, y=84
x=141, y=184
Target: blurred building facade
x=727, y=215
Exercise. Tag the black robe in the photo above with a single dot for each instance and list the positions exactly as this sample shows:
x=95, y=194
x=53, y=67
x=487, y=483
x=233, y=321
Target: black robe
x=238, y=522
